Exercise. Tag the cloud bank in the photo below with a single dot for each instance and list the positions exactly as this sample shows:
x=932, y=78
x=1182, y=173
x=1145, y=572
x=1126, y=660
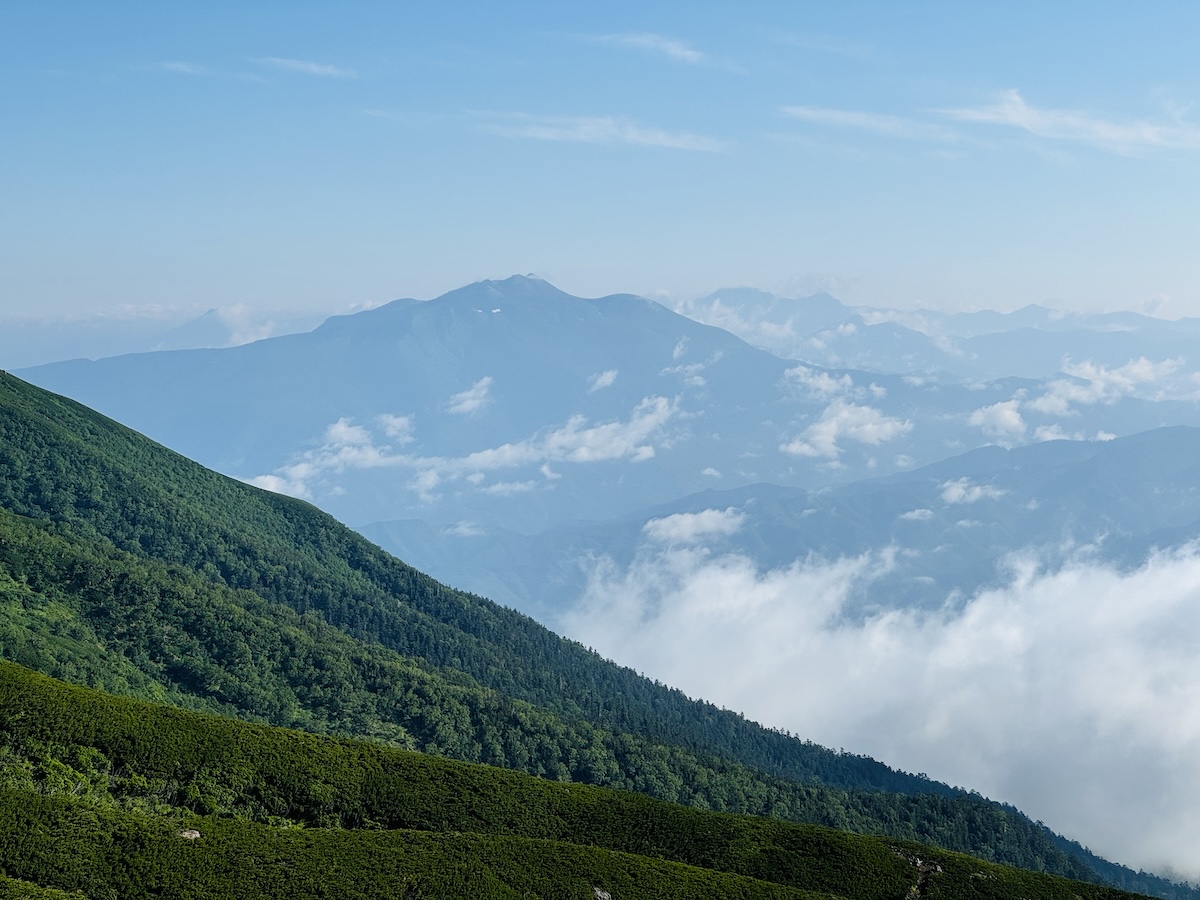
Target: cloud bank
x=1073, y=694
x=347, y=446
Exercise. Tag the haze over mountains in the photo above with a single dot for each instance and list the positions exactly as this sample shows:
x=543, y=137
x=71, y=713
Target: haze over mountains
x=1031, y=342
x=966, y=500
x=29, y=340
x=511, y=403
x=947, y=529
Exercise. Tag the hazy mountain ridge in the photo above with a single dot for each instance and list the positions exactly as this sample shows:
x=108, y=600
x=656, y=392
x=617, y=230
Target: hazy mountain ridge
x=31, y=341
x=514, y=404
x=953, y=523
x=1031, y=342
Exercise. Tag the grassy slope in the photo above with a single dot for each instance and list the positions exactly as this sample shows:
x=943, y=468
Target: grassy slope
x=437, y=827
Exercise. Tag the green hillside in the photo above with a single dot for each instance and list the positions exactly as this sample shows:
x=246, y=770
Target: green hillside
x=125, y=566
x=98, y=794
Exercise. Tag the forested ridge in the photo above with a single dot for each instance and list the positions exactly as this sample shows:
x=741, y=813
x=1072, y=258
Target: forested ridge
x=126, y=567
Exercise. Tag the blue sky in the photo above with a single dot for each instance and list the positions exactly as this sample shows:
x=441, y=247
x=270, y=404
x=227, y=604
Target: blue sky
x=319, y=156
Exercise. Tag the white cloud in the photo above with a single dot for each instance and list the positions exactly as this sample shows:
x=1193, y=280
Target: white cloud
x=274, y=483
x=182, y=68
x=347, y=446
x=602, y=380
x=688, y=528
x=690, y=373
x=710, y=472
x=398, y=428
x=656, y=43
x=876, y=123
x=1000, y=420
x=464, y=529
x=1055, y=432
x=304, y=67
x=473, y=399
x=964, y=491
x=599, y=130
x=917, y=515
x=508, y=488
x=424, y=483
x=1098, y=384
x=842, y=420
x=1011, y=109
x=578, y=442
x=344, y=445
x=820, y=383
x=1054, y=692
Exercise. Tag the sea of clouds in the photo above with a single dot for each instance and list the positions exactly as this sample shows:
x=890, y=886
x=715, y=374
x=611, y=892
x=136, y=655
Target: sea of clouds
x=1073, y=694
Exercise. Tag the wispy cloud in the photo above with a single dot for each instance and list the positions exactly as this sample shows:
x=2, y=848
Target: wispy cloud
x=1011, y=109
x=673, y=48
x=883, y=124
x=304, y=67
x=965, y=491
x=599, y=130
x=473, y=399
x=688, y=528
x=347, y=446
x=601, y=380
x=181, y=68
x=826, y=43
x=1001, y=421
x=846, y=421
x=1093, y=383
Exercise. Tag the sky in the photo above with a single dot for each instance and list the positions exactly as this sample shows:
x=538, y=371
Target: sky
x=334, y=156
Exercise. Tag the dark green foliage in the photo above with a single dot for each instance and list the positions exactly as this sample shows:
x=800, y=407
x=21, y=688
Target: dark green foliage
x=15, y=889
x=112, y=854
x=408, y=821
x=127, y=567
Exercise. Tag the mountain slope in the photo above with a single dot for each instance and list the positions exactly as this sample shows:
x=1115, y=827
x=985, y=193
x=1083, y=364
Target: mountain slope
x=128, y=566
x=380, y=821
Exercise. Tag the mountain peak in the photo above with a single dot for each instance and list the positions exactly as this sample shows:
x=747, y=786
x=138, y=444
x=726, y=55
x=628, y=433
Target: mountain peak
x=513, y=288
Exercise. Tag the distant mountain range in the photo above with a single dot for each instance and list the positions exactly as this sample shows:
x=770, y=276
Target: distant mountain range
x=1031, y=342
x=512, y=404
x=30, y=340
x=950, y=528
